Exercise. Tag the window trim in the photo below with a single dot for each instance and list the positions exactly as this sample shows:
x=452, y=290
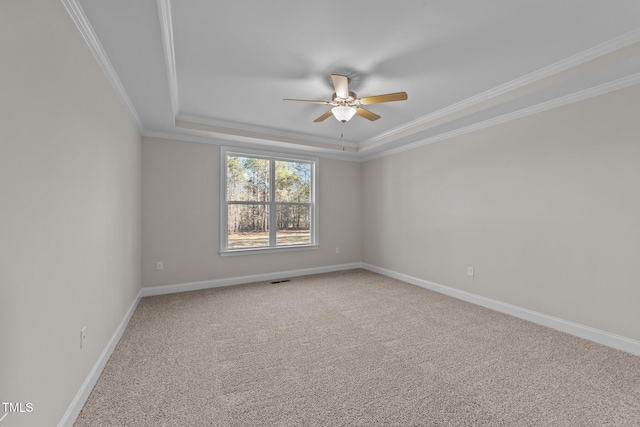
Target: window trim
x=272, y=157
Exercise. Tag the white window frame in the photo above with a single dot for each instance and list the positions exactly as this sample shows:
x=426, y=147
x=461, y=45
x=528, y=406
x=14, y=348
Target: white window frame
x=272, y=157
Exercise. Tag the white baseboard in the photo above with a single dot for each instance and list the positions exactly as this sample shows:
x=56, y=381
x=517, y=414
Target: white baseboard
x=601, y=337
x=207, y=284
x=81, y=397
x=598, y=336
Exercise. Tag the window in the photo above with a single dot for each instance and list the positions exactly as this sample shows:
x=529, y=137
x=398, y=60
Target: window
x=268, y=202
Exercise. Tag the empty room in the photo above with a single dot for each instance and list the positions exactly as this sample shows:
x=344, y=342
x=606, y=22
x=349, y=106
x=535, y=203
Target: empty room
x=343, y=213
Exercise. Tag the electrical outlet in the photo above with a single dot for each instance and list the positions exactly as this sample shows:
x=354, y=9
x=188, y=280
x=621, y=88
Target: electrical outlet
x=159, y=265
x=337, y=250
x=470, y=271
x=83, y=337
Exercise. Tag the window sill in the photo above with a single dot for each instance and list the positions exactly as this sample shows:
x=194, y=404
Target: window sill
x=252, y=251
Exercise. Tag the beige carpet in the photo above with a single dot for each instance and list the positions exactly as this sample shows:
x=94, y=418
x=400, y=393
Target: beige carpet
x=353, y=349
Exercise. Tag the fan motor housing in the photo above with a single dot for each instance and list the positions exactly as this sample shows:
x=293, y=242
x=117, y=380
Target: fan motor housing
x=352, y=97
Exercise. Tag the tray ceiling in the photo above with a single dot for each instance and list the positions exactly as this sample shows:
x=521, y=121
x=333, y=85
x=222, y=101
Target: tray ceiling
x=217, y=71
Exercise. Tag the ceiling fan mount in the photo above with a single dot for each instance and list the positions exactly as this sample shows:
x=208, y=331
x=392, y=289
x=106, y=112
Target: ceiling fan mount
x=346, y=103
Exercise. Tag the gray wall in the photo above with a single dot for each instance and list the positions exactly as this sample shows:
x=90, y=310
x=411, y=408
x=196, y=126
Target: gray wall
x=69, y=214
x=546, y=208
x=181, y=217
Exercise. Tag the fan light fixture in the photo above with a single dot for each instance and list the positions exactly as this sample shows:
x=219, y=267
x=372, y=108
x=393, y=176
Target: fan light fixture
x=346, y=104
x=343, y=113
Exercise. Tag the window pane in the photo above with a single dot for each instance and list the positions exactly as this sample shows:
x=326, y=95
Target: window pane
x=248, y=226
x=247, y=179
x=294, y=225
x=293, y=181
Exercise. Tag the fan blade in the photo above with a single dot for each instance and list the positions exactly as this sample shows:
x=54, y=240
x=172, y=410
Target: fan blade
x=366, y=114
x=341, y=85
x=323, y=117
x=309, y=101
x=398, y=96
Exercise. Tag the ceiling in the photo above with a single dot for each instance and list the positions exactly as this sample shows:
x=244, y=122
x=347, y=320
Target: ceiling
x=217, y=71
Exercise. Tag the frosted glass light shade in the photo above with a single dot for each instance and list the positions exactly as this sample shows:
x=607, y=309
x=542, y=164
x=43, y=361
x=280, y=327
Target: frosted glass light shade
x=343, y=113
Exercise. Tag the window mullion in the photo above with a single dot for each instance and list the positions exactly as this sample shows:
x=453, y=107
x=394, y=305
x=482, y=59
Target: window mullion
x=273, y=217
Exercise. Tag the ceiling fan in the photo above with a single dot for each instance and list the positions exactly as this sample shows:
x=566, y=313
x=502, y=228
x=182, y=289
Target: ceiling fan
x=346, y=103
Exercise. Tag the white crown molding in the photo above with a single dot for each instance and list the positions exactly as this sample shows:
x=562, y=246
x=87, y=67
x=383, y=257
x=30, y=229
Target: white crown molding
x=601, y=337
x=80, y=19
x=534, y=109
x=268, y=145
x=208, y=124
x=265, y=131
x=543, y=73
x=241, y=134
x=362, y=157
x=166, y=28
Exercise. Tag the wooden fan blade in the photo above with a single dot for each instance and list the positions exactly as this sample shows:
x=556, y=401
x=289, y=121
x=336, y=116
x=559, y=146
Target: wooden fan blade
x=398, y=96
x=341, y=85
x=309, y=101
x=366, y=114
x=323, y=117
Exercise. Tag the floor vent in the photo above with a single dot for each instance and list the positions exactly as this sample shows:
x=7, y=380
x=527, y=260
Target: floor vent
x=280, y=281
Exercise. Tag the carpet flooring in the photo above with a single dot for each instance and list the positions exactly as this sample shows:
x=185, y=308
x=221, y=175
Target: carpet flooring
x=353, y=348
